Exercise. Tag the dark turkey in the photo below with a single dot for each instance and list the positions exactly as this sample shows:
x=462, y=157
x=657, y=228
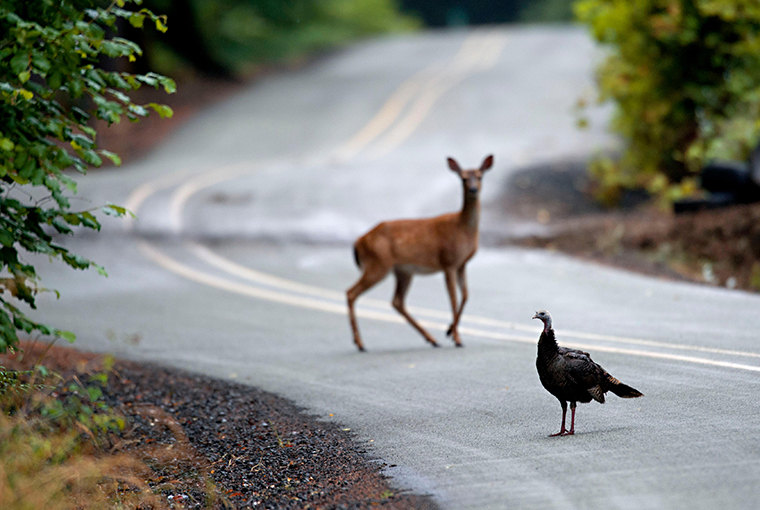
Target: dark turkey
x=572, y=376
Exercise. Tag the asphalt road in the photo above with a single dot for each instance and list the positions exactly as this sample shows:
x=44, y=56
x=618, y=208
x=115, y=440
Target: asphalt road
x=239, y=260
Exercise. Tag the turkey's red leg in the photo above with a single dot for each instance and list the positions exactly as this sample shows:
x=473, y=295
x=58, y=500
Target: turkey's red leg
x=572, y=420
x=562, y=431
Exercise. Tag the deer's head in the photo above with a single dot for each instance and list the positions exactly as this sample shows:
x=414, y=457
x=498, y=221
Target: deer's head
x=471, y=179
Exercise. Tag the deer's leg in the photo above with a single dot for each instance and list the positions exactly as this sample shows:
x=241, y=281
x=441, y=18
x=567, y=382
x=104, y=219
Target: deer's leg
x=462, y=280
x=451, y=276
x=372, y=275
x=403, y=281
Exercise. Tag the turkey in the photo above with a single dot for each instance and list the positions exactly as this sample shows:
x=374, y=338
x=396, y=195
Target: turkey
x=572, y=376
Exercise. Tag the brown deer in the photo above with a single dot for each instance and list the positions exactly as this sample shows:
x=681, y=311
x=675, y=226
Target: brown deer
x=422, y=246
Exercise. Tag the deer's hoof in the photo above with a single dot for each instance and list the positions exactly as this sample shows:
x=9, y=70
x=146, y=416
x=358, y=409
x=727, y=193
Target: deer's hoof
x=459, y=345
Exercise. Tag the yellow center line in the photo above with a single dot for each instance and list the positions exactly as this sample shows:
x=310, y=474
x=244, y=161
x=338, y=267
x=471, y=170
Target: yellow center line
x=478, y=53
x=137, y=198
x=238, y=270
x=384, y=118
x=163, y=260
x=194, y=185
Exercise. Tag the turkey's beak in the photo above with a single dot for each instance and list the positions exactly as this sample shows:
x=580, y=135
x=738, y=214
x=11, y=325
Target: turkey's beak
x=535, y=316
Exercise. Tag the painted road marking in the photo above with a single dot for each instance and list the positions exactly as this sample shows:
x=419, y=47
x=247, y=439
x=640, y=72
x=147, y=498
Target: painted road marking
x=478, y=53
x=208, y=256
x=187, y=272
x=137, y=198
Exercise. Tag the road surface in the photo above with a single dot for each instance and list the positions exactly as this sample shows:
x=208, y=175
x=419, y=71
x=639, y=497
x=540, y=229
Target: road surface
x=238, y=264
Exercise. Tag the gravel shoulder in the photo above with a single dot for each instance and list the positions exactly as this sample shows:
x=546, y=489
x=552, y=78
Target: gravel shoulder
x=217, y=444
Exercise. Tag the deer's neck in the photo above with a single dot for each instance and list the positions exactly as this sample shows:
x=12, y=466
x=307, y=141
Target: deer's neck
x=470, y=215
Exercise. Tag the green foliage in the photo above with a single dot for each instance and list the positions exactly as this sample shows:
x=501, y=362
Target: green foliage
x=685, y=76
x=56, y=439
x=81, y=405
x=51, y=82
x=242, y=32
x=542, y=11
x=50, y=401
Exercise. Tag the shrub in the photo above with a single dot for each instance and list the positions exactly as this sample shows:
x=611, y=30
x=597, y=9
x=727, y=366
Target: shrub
x=56, y=438
x=52, y=79
x=685, y=77
x=243, y=33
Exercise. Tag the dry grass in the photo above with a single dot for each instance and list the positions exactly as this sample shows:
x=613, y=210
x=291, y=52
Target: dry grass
x=53, y=470
x=75, y=456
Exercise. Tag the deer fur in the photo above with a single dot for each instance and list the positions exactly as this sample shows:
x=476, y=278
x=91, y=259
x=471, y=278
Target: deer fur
x=422, y=246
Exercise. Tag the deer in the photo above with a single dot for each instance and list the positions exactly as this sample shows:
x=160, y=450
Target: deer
x=407, y=247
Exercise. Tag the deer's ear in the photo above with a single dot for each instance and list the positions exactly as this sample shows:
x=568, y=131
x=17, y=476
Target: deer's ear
x=487, y=163
x=454, y=165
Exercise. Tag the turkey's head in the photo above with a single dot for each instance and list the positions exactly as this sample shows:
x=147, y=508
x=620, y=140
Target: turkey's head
x=544, y=317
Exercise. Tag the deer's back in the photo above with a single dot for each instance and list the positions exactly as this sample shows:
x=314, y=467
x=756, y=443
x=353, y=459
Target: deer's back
x=420, y=245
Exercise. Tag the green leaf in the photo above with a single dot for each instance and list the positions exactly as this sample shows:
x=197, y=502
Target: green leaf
x=163, y=110
x=148, y=79
x=6, y=238
x=168, y=84
x=40, y=62
x=115, y=159
x=24, y=76
x=19, y=63
x=67, y=335
x=136, y=20
x=94, y=393
x=6, y=144
x=116, y=210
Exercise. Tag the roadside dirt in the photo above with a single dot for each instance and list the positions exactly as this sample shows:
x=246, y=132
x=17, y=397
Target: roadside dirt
x=216, y=444
x=714, y=247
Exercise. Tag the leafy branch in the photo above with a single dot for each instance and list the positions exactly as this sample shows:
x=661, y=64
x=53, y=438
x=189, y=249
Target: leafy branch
x=52, y=82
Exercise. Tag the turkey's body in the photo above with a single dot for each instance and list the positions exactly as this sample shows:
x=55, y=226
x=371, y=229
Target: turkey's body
x=572, y=376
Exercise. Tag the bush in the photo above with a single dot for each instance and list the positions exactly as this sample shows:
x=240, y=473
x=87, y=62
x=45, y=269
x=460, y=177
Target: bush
x=241, y=33
x=685, y=76
x=58, y=444
x=52, y=79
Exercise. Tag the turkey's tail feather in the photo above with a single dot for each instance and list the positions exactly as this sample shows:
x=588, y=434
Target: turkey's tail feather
x=623, y=390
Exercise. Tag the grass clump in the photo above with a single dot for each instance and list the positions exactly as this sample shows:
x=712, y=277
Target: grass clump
x=62, y=446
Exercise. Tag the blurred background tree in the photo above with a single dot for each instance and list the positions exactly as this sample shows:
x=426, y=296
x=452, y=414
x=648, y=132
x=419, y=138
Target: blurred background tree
x=685, y=78
x=233, y=37
x=477, y=12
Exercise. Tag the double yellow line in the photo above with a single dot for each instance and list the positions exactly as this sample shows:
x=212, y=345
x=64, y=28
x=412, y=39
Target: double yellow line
x=288, y=292
x=398, y=118
x=418, y=95
x=394, y=123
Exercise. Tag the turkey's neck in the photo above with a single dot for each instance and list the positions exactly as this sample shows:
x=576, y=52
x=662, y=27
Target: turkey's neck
x=547, y=344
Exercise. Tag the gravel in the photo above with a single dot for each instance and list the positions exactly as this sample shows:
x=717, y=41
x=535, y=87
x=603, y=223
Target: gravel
x=260, y=451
